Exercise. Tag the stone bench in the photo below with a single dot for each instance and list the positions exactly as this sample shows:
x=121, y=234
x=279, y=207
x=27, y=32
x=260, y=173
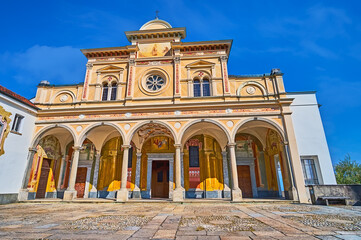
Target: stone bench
x=327, y=198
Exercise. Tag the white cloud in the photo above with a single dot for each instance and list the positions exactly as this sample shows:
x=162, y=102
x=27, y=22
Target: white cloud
x=59, y=65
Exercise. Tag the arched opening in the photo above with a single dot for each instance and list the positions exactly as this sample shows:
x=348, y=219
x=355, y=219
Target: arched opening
x=105, y=92
x=206, y=87
x=85, y=171
x=203, y=167
x=101, y=166
x=113, y=95
x=154, y=157
x=196, y=88
x=204, y=162
x=262, y=165
x=45, y=174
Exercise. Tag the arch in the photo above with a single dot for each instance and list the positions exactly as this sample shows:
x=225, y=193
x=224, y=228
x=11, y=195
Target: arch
x=206, y=74
x=190, y=124
x=105, y=79
x=264, y=91
x=84, y=133
x=40, y=134
x=139, y=125
x=63, y=91
x=274, y=124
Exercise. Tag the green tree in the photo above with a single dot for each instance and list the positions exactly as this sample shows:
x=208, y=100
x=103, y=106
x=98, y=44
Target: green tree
x=348, y=171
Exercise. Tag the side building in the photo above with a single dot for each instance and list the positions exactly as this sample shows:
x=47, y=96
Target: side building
x=17, y=124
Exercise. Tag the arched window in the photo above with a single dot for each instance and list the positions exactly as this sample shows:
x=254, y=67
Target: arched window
x=113, y=93
x=196, y=88
x=201, y=87
x=206, y=88
x=105, y=92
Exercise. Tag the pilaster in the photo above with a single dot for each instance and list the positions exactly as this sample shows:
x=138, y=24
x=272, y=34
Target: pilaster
x=87, y=80
x=226, y=85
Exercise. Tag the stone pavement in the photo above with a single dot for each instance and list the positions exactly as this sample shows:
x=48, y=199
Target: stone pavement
x=59, y=220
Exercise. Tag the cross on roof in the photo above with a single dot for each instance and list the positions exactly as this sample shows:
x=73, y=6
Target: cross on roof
x=156, y=14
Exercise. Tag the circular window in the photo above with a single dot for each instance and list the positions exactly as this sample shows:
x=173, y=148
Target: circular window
x=154, y=83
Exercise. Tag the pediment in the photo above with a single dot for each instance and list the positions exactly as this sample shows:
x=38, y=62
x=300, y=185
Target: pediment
x=200, y=64
x=110, y=68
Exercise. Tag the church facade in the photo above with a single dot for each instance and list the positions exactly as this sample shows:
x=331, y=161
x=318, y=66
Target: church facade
x=162, y=118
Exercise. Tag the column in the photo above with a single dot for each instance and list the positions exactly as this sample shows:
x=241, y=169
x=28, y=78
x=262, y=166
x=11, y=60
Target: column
x=294, y=156
x=87, y=181
x=149, y=177
x=226, y=189
x=182, y=169
x=122, y=194
x=136, y=190
x=94, y=191
x=60, y=178
x=179, y=191
x=24, y=192
x=236, y=191
x=70, y=193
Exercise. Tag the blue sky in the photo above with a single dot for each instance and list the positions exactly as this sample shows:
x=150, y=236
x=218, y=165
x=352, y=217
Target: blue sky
x=317, y=44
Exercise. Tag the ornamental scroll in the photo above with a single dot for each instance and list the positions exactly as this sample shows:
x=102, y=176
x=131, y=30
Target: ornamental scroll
x=4, y=127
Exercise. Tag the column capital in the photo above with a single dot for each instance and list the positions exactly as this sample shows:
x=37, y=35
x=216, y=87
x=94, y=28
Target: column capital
x=78, y=148
x=89, y=65
x=139, y=154
x=177, y=60
x=32, y=149
x=126, y=146
x=177, y=145
x=224, y=58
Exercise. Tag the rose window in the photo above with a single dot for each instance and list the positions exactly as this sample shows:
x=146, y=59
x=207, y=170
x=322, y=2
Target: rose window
x=154, y=83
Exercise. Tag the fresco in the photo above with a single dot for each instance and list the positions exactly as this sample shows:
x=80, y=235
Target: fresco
x=154, y=50
x=48, y=147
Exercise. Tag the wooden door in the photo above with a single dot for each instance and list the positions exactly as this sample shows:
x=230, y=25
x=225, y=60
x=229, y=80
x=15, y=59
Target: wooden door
x=244, y=180
x=43, y=181
x=160, y=179
x=80, y=181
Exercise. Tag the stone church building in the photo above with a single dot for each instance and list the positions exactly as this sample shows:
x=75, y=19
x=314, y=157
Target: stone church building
x=162, y=118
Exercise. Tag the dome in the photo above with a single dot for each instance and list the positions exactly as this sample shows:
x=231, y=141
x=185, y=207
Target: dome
x=155, y=24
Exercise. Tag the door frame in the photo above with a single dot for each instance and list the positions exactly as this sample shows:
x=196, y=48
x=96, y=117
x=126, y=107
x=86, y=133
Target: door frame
x=87, y=179
x=160, y=157
x=249, y=161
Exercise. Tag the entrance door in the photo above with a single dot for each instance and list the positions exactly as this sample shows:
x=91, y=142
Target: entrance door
x=43, y=181
x=244, y=180
x=160, y=179
x=80, y=182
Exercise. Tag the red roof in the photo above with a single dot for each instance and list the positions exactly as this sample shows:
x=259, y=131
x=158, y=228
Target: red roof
x=17, y=97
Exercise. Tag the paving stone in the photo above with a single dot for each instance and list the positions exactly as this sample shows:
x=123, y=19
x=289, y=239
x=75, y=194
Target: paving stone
x=349, y=237
x=186, y=238
x=208, y=238
x=191, y=233
x=165, y=234
x=327, y=237
x=145, y=233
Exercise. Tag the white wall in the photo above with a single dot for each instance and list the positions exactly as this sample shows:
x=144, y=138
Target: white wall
x=13, y=161
x=310, y=135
